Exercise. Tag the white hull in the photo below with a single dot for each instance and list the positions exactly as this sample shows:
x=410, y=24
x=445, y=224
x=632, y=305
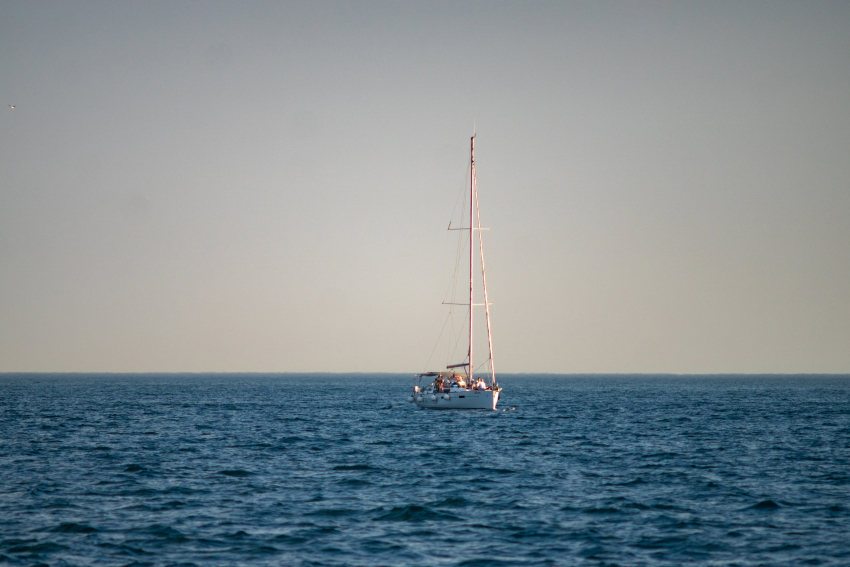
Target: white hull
x=469, y=399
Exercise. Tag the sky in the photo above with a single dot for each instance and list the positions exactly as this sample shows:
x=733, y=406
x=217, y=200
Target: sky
x=265, y=186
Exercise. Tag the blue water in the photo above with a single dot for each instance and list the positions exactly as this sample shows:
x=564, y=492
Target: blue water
x=341, y=470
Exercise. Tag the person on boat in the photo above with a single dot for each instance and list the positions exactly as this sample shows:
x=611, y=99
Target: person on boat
x=480, y=385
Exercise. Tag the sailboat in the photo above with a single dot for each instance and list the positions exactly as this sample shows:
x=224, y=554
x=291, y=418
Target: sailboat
x=458, y=387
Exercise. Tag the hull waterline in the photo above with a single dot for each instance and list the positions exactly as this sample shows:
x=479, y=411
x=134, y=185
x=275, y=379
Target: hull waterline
x=473, y=399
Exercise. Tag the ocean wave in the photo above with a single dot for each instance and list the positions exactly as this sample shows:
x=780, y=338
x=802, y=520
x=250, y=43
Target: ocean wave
x=251, y=470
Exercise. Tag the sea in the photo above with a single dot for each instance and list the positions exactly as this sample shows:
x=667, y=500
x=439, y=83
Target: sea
x=341, y=470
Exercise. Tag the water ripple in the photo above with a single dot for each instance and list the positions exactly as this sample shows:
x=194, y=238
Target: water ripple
x=321, y=470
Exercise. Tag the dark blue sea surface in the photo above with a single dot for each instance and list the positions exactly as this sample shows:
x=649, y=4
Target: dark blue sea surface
x=341, y=470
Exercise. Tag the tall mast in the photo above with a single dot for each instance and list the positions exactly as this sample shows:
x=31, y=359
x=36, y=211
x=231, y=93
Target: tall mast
x=471, y=242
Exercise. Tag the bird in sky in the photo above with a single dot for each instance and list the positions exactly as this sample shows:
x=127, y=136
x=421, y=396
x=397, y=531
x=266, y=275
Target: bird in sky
x=11, y=106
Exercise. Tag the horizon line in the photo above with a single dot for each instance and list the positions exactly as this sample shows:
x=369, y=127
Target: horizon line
x=386, y=373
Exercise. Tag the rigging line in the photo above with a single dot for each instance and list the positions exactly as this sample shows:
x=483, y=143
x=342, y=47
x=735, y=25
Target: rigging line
x=458, y=256
x=450, y=352
x=484, y=284
x=460, y=335
x=436, y=344
x=460, y=198
x=451, y=290
x=456, y=350
x=454, y=281
x=480, y=366
x=460, y=195
x=445, y=266
x=449, y=320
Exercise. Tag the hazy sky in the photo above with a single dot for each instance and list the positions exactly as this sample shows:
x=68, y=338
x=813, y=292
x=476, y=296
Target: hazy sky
x=200, y=186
